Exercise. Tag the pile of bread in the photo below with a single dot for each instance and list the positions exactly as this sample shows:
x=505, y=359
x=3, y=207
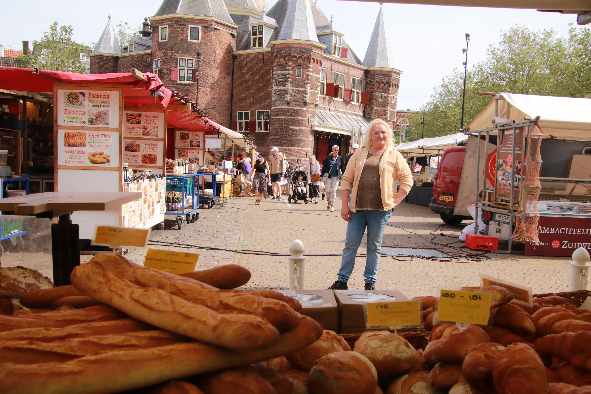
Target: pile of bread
x=124, y=328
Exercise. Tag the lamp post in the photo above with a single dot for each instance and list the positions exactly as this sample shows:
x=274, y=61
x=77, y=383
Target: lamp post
x=196, y=79
x=465, y=50
x=403, y=134
x=423, y=123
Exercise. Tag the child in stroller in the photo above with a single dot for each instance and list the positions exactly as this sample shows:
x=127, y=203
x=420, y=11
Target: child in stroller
x=298, y=187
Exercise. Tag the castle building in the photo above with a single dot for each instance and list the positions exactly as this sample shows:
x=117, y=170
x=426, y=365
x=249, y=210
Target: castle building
x=282, y=76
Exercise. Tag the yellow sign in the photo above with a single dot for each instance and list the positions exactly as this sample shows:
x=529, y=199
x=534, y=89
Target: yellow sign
x=121, y=236
x=392, y=314
x=520, y=294
x=464, y=307
x=169, y=261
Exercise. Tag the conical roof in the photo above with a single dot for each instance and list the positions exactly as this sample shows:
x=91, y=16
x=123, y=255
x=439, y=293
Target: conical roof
x=378, y=51
x=214, y=8
x=298, y=23
x=108, y=42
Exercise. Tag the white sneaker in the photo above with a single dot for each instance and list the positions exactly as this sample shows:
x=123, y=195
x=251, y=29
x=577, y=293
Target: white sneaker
x=331, y=208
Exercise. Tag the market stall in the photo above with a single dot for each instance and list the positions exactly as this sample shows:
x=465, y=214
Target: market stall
x=538, y=178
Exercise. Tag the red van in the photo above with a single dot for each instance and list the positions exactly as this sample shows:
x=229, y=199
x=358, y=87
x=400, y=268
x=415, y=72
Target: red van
x=446, y=183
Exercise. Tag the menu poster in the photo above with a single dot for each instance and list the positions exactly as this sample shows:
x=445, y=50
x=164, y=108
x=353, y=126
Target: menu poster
x=88, y=148
x=143, y=125
x=506, y=160
x=89, y=108
x=188, y=139
x=191, y=155
x=141, y=152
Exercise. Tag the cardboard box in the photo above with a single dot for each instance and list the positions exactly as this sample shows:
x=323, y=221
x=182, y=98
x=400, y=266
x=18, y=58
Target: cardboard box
x=351, y=302
x=320, y=305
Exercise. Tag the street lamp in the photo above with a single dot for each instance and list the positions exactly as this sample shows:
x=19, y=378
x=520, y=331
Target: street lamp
x=196, y=79
x=465, y=50
x=403, y=134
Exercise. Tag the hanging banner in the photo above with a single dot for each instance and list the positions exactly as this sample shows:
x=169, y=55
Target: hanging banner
x=88, y=108
x=506, y=160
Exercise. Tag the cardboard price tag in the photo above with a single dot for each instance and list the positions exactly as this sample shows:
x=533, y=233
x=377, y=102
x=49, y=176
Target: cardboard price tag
x=169, y=261
x=520, y=294
x=464, y=307
x=121, y=236
x=399, y=313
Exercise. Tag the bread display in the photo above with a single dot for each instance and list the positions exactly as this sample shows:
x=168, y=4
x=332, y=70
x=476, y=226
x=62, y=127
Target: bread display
x=390, y=353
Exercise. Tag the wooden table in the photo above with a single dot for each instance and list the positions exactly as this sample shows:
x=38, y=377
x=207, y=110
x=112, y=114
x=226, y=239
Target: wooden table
x=65, y=234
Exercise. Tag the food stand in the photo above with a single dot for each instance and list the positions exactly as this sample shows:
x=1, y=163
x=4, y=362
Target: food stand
x=536, y=188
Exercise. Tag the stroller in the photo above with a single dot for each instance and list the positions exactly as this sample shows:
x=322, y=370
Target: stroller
x=298, y=188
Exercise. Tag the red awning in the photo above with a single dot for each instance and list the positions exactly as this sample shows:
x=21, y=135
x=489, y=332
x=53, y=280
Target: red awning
x=190, y=121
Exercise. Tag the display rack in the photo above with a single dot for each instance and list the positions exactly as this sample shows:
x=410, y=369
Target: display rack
x=185, y=187
x=203, y=199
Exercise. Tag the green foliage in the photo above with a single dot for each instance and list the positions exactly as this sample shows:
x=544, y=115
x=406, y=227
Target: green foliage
x=57, y=51
x=523, y=62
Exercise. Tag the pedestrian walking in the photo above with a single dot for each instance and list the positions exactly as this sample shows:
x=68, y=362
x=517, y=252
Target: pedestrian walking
x=278, y=167
x=332, y=170
x=261, y=176
x=371, y=176
x=312, y=169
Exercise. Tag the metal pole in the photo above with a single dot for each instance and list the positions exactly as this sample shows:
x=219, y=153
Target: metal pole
x=465, y=50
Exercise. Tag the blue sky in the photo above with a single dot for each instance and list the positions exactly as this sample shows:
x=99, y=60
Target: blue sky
x=426, y=41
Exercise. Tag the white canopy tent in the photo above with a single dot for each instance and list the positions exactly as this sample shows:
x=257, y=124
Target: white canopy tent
x=431, y=146
x=560, y=117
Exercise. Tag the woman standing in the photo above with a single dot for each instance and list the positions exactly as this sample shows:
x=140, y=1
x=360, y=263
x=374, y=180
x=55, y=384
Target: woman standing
x=261, y=175
x=371, y=173
x=312, y=170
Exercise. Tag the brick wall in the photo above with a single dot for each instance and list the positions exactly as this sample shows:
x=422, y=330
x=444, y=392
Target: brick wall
x=383, y=94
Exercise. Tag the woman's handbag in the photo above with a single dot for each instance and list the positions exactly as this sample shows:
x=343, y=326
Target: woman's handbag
x=315, y=178
x=240, y=179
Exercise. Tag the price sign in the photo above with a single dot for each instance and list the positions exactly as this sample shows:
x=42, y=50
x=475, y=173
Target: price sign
x=121, y=236
x=464, y=307
x=400, y=313
x=169, y=261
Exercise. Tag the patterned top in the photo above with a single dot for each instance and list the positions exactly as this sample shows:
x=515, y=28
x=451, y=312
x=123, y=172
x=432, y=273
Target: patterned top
x=370, y=196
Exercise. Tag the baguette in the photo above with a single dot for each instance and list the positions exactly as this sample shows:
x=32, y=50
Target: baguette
x=105, y=373
x=43, y=298
x=279, y=314
x=518, y=370
x=227, y=276
x=80, y=301
x=233, y=330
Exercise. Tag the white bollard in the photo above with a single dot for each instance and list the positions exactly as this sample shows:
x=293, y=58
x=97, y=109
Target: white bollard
x=297, y=266
x=579, y=270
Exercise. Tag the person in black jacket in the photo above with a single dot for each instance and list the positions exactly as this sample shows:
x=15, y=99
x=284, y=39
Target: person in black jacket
x=354, y=147
x=332, y=165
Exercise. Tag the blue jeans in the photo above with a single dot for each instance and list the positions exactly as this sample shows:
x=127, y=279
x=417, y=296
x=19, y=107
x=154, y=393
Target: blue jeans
x=375, y=221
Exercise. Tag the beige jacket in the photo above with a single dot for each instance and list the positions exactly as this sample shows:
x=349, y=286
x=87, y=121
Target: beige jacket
x=392, y=168
x=277, y=164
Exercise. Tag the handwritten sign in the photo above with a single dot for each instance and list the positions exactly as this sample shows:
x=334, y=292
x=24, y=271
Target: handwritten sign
x=169, y=261
x=520, y=294
x=400, y=313
x=121, y=236
x=464, y=307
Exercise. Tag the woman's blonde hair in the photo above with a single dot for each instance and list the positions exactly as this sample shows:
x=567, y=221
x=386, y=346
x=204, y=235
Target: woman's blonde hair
x=374, y=123
x=312, y=159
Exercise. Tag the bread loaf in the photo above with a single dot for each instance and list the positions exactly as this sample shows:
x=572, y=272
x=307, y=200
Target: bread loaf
x=439, y=329
x=15, y=282
x=390, y=353
x=445, y=375
x=343, y=372
x=227, y=276
x=328, y=343
x=282, y=384
x=43, y=298
x=480, y=362
x=544, y=325
x=575, y=376
x=107, y=373
x=299, y=379
x=519, y=370
x=243, y=380
x=454, y=345
x=515, y=319
x=570, y=325
x=563, y=388
x=232, y=330
x=463, y=387
x=279, y=364
x=413, y=383
x=574, y=347
x=503, y=336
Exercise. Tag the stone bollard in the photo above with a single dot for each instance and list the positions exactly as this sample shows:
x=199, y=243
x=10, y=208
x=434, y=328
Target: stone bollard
x=297, y=266
x=579, y=270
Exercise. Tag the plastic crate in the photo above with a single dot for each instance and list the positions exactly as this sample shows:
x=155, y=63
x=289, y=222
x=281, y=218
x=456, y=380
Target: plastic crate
x=481, y=242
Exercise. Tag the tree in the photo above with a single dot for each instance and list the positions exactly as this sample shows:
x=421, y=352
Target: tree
x=57, y=51
x=523, y=62
x=125, y=33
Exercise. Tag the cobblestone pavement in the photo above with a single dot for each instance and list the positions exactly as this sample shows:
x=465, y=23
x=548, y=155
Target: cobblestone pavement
x=258, y=238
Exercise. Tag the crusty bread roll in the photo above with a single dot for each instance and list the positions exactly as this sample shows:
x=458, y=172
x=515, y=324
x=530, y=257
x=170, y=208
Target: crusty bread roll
x=282, y=384
x=545, y=324
x=463, y=387
x=227, y=276
x=164, y=310
x=328, y=343
x=500, y=295
x=15, y=282
x=413, y=383
x=43, y=298
x=438, y=330
x=343, y=373
x=390, y=353
x=570, y=325
x=445, y=375
x=427, y=301
x=278, y=365
x=107, y=373
x=564, y=388
x=545, y=311
x=454, y=344
x=480, y=362
x=503, y=336
x=515, y=319
x=519, y=369
x=243, y=380
x=572, y=375
x=574, y=347
x=299, y=379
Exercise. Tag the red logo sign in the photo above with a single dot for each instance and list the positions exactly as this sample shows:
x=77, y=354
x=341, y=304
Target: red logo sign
x=555, y=244
x=492, y=167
